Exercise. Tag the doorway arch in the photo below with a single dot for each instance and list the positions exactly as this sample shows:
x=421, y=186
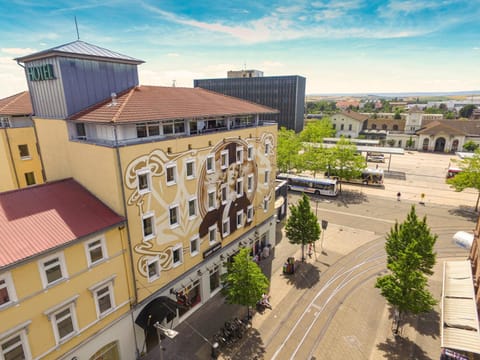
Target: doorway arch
x=455, y=145
x=440, y=144
x=425, y=144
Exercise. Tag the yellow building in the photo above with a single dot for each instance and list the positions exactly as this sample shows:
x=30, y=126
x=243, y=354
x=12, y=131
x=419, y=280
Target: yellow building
x=20, y=162
x=192, y=171
x=65, y=289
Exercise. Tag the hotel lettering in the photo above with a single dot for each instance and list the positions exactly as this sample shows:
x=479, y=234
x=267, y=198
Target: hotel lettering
x=39, y=73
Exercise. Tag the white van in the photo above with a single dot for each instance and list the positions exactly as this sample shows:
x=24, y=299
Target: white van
x=463, y=239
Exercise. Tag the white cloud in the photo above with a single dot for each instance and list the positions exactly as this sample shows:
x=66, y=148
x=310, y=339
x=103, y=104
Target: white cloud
x=173, y=54
x=18, y=51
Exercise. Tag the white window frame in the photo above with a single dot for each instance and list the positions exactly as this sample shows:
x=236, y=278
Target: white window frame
x=267, y=147
x=147, y=173
x=179, y=248
x=239, y=186
x=168, y=167
x=43, y=269
x=212, y=230
x=224, y=159
x=249, y=183
x=51, y=313
x=212, y=195
x=26, y=157
x=192, y=176
x=239, y=154
x=195, y=211
x=239, y=218
x=267, y=177
x=153, y=260
x=249, y=213
x=102, y=247
x=224, y=193
x=12, y=295
x=22, y=334
x=210, y=164
x=265, y=204
x=195, y=239
x=147, y=215
x=226, y=227
x=177, y=211
x=250, y=152
x=107, y=283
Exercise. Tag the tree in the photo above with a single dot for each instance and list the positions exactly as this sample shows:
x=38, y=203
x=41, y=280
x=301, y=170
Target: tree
x=467, y=111
x=314, y=158
x=302, y=226
x=287, y=150
x=344, y=161
x=410, y=257
x=470, y=146
x=244, y=281
x=469, y=177
x=316, y=131
x=410, y=143
x=397, y=115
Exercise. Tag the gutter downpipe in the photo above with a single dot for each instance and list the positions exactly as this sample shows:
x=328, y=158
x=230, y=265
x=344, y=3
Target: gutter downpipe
x=11, y=158
x=119, y=166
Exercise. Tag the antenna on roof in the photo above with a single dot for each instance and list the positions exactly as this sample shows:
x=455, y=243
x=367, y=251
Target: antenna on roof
x=76, y=27
x=173, y=83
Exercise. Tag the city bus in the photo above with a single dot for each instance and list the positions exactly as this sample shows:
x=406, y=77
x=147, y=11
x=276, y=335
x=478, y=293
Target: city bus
x=327, y=187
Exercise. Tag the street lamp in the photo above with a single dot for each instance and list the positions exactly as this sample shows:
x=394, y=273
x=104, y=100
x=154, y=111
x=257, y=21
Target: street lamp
x=163, y=331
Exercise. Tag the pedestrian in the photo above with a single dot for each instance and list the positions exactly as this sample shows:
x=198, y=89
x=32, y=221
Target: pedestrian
x=398, y=196
x=422, y=199
x=310, y=250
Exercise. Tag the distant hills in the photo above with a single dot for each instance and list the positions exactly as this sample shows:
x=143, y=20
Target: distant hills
x=399, y=94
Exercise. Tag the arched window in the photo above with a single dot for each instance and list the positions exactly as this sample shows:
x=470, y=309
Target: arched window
x=384, y=127
x=374, y=126
x=109, y=351
x=395, y=127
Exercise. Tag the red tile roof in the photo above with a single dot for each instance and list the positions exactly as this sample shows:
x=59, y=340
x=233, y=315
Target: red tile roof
x=36, y=219
x=150, y=103
x=18, y=104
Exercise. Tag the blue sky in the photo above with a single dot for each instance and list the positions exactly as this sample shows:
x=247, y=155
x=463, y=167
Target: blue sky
x=344, y=46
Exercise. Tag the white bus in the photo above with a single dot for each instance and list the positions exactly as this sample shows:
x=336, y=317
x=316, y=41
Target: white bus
x=327, y=187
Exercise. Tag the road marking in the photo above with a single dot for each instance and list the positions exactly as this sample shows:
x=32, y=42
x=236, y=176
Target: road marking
x=359, y=216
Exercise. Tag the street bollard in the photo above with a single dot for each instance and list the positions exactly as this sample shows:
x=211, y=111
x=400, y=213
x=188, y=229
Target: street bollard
x=215, y=350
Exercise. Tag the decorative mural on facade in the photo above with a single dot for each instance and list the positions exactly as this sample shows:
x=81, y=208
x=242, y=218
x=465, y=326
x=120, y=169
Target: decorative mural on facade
x=227, y=178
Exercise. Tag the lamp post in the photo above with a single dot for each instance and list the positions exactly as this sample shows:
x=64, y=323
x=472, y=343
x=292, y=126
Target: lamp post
x=163, y=331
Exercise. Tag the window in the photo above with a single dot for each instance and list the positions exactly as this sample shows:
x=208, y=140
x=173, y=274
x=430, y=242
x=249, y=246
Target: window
x=384, y=127
x=212, y=234
x=239, y=218
x=226, y=227
x=52, y=269
x=146, y=130
x=224, y=159
x=395, y=127
x=173, y=211
x=30, y=178
x=211, y=199
x=148, y=224
x=334, y=126
x=350, y=127
x=250, y=152
x=95, y=251
x=249, y=213
x=250, y=182
x=214, y=278
x=224, y=193
x=374, y=126
x=24, y=153
x=171, y=170
x=4, y=122
x=14, y=347
x=267, y=177
x=81, y=133
x=194, y=246
x=239, y=153
x=239, y=187
x=104, y=299
x=192, y=207
x=265, y=204
x=190, y=169
x=267, y=148
x=64, y=323
x=7, y=291
x=177, y=255
x=342, y=126
x=210, y=164
x=153, y=268
x=143, y=181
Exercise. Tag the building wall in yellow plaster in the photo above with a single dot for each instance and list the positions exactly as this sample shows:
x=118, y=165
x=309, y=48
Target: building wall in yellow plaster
x=156, y=157
x=7, y=175
x=34, y=300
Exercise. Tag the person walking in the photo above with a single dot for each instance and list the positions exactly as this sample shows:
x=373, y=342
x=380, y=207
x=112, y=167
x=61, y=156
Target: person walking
x=398, y=196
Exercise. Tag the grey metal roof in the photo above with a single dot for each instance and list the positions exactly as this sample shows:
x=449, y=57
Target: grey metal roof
x=81, y=49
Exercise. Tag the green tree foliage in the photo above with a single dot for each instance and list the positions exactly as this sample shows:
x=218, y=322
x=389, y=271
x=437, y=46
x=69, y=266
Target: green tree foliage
x=314, y=158
x=470, y=146
x=302, y=225
x=410, y=257
x=320, y=107
x=244, y=280
x=315, y=131
x=467, y=111
x=287, y=150
x=397, y=115
x=469, y=177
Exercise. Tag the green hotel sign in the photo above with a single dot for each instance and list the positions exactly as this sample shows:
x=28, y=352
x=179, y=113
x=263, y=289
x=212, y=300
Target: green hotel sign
x=39, y=73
